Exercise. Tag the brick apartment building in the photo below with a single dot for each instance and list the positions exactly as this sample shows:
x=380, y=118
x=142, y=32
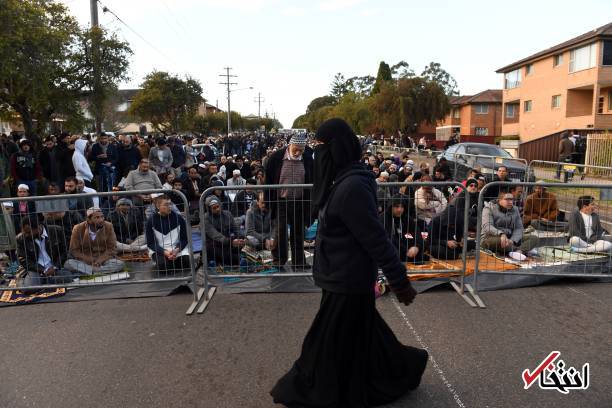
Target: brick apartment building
x=477, y=118
x=568, y=86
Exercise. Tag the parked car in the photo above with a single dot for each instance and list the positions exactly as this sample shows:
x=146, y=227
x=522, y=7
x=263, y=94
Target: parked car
x=464, y=156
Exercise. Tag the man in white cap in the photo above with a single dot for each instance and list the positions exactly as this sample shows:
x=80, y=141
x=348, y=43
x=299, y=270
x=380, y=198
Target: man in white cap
x=290, y=207
x=236, y=180
x=93, y=246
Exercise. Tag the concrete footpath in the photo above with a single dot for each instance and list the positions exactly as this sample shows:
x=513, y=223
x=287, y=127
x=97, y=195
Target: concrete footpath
x=147, y=353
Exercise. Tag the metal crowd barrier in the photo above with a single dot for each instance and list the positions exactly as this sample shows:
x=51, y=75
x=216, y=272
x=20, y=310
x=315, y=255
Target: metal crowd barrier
x=518, y=169
x=570, y=172
x=123, y=258
x=546, y=241
x=250, y=232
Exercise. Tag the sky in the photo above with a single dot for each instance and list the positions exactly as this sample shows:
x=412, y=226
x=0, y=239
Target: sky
x=290, y=50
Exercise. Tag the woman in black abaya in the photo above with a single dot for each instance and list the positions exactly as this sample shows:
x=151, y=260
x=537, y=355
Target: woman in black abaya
x=350, y=357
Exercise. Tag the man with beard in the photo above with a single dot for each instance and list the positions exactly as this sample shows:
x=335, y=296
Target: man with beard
x=223, y=240
x=48, y=160
x=105, y=156
x=350, y=357
x=540, y=208
x=65, y=150
x=290, y=165
x=128, y=225
x=93, y=246
x=79, y=205
x=259, y=231
x=42, y=252
x=129, y=156
x=25, y=168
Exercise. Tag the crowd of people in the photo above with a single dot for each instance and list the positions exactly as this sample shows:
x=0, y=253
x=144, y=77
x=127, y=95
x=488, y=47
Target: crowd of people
x=88, y=234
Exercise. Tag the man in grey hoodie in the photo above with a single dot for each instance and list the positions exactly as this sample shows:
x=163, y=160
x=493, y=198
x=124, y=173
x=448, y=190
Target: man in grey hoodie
x=223, y=240
x=161, y=158
x=502, y=228
x=259, y=231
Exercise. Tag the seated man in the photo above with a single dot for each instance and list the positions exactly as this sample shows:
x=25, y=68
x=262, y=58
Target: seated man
x=429, y=201
x=540, y=208
x=223, y=242
x=259, y=231
x=243, y=201
x=404, y=232
x=585, y=229
x=128, y=226
x=42, y=252
x=76, y=204
x=93, y=246
x=143, y=178
x=167, y=238
x=66, y=220
x=502, y=228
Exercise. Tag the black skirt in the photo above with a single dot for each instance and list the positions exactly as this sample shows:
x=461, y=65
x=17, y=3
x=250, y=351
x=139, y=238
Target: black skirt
x=350, y=358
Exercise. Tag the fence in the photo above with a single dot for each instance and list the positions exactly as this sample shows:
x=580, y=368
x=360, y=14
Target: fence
x=463, y=163
x=548, y=239
x=599, y=149
x=252, y=232
x=97, y=239
x=412, y=153
x=568, y=172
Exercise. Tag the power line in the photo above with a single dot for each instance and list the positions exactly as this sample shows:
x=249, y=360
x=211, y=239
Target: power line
x=107, y=10
x=259, y=99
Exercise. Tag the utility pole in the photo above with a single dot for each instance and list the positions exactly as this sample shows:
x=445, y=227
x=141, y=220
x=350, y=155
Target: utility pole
x=93, y=5
x=259, y=100
x=228, y=83
x=95, y=60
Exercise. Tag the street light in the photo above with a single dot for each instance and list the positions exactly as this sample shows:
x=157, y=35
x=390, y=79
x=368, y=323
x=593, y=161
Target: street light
x=229, y=112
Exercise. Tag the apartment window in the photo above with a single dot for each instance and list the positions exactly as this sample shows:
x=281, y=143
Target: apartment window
x=582, y=58
x=512, y=79
x=556, y=101
x=481, y=108
x=600, y=104
x=456, y=113
x=528, y=105
x=481, y=131
x=511, y=110
x=528, y=69
x=610, y=100
x=607, y=53
x=557, y=60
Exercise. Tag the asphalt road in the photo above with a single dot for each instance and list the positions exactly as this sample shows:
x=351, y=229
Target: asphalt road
x=147, y=353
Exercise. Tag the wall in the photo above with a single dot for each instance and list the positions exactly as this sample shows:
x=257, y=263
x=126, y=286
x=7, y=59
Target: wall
x=539, y=87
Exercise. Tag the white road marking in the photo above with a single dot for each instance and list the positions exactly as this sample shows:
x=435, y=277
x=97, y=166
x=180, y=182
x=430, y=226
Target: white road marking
x=436, y=367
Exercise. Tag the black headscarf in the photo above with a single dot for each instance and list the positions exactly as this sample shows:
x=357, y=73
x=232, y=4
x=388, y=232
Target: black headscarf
x=340, y=150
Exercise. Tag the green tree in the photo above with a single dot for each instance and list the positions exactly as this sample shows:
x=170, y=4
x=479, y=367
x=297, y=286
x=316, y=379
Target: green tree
x=338, y=87
x=36, y=38
x=320, y=102
x=167, y=101
x=301, y=122
x=383, y=75
x=354, y=109
x=434, y=72
x=420, y=101
x=101, y=62
x=385, y=108
x=361, y=84
x=402, y=70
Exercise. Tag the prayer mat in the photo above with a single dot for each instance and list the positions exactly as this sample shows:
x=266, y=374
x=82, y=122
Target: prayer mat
x=17, y=297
